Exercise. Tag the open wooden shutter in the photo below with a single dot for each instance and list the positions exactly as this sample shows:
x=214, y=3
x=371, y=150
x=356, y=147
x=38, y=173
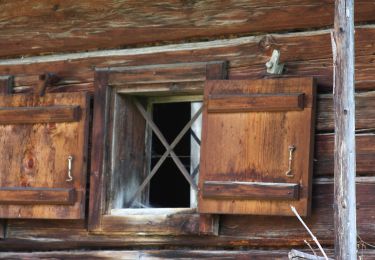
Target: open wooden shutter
x=257, y=146
x=38, y=135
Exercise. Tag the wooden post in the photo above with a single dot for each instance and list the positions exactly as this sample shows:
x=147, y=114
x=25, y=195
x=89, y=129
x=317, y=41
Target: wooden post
x=344, y=117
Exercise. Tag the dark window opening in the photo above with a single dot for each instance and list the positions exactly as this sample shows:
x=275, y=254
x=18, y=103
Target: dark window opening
x=169, y=188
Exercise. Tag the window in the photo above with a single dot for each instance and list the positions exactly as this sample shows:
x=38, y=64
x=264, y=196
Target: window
x=140, y=164
x=256, y=148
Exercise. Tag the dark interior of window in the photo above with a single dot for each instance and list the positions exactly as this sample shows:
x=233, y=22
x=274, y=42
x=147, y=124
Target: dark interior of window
x=169, y=188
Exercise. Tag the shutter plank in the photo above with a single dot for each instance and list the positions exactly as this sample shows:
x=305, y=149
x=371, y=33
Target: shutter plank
x=250, y=190
x=255, y=102
x=21, y=195
x=33, y=115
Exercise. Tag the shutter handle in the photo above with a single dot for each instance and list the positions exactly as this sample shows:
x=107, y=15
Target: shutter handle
x=289, y=173
x=70, y=177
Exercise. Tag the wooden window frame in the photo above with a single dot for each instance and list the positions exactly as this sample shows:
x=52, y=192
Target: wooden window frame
x=170, y=79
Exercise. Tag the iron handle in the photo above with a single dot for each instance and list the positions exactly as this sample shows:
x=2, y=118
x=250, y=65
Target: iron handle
x=291, y=149
x=70, y=177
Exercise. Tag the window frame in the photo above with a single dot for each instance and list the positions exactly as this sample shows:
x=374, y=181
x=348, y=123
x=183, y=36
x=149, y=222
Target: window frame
x=165, y=79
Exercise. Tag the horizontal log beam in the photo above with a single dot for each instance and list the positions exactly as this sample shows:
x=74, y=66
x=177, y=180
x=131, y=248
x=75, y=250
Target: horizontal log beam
x=365, y=154
x=305, y=54
x=157, y=74
x=32, y=196
x=127, y=22
x=35, y=115
x=365, y=111
x=251, y=254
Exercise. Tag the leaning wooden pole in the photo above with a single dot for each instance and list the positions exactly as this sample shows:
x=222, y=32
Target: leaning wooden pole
x=344, y=117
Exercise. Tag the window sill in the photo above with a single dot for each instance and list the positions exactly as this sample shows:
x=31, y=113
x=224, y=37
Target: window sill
x=161, y=221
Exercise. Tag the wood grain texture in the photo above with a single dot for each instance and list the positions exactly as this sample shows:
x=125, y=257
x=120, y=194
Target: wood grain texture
x=97, y=151
x=101, y=24
x=6, y=85
x=289, y=229
x=365, y=154
x=364, y=112
x=113, y=166
x=255, y=102
x=34, y=115
x=254, y=147
x=235, y=231
x=36, y=196
x=249, y=254
x=127, y=154
x=158, y=73
x=250, y=190
x=172, y=225
x=6, y=88
x=345, y=211
x=36, y=156
x=305, y=54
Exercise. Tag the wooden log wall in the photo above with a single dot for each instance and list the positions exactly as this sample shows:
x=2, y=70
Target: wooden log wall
x=276, y=254
x=71, y=38
x=38, y=27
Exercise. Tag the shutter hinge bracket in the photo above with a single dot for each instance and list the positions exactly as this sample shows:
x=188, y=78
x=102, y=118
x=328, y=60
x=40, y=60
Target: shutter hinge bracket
x=273, y=65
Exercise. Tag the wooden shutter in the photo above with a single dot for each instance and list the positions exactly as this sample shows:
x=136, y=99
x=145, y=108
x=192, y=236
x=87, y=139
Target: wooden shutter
x=249, y=130
x=37, y=136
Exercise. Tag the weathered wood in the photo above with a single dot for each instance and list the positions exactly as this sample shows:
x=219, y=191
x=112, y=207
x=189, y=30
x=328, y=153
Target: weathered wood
x=6, y=85
x=344, y=117
x=250, y=254
x=34, y=115
x=255, y=147
x=305, y=54
x=157, y=73
x=128, y=154
x=364, y=112
x=298, y=255
x=97, y=151
x=255, y=102
x=41, y=24
x=365, y=104
x=36, y=155
x=35, y=196
x=112, y=111
x=156, y=224
x=6, y=88
x=289, y=229
x=235, y=230
x=250, y=190
x=365, y=154
x=209, y=224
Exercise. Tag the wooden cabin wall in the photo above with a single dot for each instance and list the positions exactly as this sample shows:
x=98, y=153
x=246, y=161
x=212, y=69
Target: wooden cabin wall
x=71, y=38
